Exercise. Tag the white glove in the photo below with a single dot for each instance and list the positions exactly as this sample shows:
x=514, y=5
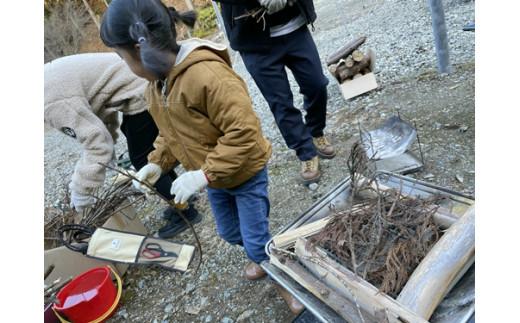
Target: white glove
x=188, y=184
x=80, y=202
x=273, y=6
x=150, y=173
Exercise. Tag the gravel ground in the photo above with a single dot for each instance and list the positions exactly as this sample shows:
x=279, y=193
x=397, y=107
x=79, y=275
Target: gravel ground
x=399, y=32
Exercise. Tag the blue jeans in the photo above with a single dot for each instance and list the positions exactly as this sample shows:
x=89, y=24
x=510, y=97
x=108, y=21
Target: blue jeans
x=242, y=213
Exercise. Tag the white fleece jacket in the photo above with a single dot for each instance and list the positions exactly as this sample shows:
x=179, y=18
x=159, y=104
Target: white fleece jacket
x=83, y=95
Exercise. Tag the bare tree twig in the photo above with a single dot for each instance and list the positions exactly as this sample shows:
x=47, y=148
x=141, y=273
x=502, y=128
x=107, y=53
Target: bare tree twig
x=170, y=203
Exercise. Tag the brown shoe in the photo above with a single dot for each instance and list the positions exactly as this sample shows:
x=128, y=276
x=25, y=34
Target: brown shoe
x=253, y=271
x=311, y=170
x=294, y=305
x=324, y=147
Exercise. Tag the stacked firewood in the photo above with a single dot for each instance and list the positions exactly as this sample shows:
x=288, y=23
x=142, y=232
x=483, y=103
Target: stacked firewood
x=349, y=62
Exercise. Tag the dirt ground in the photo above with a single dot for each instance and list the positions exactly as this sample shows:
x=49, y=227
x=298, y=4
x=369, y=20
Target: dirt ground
x=439, y=106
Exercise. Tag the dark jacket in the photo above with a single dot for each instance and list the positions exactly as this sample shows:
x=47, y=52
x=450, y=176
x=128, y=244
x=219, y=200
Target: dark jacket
x=246, y=34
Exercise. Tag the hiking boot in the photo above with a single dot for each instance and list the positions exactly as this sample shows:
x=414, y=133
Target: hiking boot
x=176, y=224
x=253, y=271
x=324, y=147
x=294, y=305
x=311, y=171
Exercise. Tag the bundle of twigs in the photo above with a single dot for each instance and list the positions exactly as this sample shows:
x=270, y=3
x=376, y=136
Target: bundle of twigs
x=116, y=196
x=383, y=239
x=55, y=218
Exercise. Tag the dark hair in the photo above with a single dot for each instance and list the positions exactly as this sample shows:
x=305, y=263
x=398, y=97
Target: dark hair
x=148, y=23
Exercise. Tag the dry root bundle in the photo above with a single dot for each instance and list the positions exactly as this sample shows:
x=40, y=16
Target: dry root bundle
x=384, y=238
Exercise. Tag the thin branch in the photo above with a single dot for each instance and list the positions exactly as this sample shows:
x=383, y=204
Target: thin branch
x=170, y=203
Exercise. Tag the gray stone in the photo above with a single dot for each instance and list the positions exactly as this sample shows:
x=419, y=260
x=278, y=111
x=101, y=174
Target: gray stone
x=168, y=308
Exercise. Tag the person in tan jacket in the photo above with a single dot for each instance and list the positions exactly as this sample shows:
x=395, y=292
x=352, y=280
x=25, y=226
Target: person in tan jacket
x=205, y=118
x=85, y=96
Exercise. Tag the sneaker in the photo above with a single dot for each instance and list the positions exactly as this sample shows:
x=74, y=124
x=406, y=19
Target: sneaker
x=311, y=170
x=177, y=225
x=324, y=147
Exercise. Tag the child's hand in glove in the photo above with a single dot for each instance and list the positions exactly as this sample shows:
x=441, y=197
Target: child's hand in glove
x=188, y=184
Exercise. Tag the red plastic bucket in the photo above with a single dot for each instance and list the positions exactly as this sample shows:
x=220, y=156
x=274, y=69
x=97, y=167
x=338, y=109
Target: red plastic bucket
x=90, y=297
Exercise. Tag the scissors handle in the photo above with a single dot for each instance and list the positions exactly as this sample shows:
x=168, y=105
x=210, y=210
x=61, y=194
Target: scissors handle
x=150, y=253
x=154, y=250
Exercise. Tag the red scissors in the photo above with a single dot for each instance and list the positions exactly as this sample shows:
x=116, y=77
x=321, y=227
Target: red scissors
x=153, y=250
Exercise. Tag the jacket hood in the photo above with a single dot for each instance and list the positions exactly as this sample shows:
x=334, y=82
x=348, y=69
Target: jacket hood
x=190, y=54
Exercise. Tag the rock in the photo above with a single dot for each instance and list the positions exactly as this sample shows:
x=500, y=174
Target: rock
x=245, y=315
x=226, y=320
x=428, y=176
x=459, y=178
x=168, y=308
x=227, y=294
x=313, y=186
x=208, y=319
x=193, y=310
x=189, y=288
x=123, y=313
x=463, y=128
x=140, y=284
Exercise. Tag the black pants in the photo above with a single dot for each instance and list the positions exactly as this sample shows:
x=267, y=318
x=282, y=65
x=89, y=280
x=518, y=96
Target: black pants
x=298, y=52
x=140, y=132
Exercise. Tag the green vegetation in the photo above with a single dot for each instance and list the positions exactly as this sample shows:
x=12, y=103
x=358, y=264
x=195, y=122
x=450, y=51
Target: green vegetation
x=206, y=22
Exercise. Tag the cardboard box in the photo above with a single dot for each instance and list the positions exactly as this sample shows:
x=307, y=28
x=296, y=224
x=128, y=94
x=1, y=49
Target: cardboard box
x=69, y=263
x=360, y=85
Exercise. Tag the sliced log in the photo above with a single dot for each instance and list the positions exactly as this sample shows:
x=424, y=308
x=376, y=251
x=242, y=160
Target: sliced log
x=345, y=50
x=353, y=287
x=346, y=309
x=349, y=62
x=442, y=267
x=356, y=68
x=357, y=56
x=366, y=71
x=333, y=69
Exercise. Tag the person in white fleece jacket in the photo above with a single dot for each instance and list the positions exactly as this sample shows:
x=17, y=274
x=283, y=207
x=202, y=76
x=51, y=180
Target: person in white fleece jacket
x=84, y=95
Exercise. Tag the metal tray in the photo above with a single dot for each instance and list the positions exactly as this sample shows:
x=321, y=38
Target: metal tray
x=463, y=294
